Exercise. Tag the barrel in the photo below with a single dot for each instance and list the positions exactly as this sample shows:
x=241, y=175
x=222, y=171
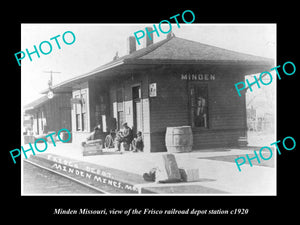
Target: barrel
x=179, y=139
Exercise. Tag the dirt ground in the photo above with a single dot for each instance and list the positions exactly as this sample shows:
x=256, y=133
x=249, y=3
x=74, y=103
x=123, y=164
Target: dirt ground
x=260, y=138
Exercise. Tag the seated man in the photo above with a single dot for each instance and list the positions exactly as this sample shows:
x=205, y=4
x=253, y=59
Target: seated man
x=124, y=136
x=137, y=143
x=97, y=134
x=109, y=139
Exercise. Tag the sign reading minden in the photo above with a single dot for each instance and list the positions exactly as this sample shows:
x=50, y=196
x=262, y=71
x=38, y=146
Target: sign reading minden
x=199, y=76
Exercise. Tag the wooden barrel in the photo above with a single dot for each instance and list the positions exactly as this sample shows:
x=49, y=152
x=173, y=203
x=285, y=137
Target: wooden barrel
x=179, y=139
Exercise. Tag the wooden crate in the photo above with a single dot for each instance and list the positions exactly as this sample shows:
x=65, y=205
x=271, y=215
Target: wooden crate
x=92, y=148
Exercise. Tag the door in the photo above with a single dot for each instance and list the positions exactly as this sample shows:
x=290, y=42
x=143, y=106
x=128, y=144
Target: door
x=137, y=114
x=137, y=109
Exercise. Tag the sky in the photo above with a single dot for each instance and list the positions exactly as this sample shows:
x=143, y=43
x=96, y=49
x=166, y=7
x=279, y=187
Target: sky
x=97, y=44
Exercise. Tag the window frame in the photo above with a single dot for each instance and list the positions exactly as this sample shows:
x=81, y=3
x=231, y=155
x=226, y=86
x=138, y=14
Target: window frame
x=81, y=111
x=191, y=107
x=77, y=114
x=83, y=114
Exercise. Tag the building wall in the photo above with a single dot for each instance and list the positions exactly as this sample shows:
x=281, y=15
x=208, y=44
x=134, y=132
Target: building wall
x=58, y=113
x=139, y=79
x=99, y=104
x=171, y=106
x=127, y=82
x=79, y=136
x=35, y=128
x=168, y=108
x=53, y=115
x=226, y=110
x=107, y=90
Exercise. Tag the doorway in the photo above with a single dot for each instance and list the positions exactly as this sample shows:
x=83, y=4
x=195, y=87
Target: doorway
x=137, y=109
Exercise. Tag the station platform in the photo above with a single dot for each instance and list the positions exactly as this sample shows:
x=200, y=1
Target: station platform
x=121, y=173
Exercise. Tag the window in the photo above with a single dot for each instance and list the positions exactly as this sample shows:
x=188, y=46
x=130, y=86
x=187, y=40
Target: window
x=83, y=112
x=84, y=121
x=199, y=105
x=120, y=107
x=78, y=122
x=136, y=92
x=78, y=114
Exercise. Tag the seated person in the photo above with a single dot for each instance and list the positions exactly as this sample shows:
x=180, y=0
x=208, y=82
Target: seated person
x=97, y=134
x=137, y=143
x=124, y=136
x=109, y=139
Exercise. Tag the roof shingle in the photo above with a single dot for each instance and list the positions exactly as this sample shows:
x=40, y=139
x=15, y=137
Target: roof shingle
x=177, y=50
x=182, y=49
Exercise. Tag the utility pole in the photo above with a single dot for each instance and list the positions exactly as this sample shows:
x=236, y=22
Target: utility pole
x=50, y=82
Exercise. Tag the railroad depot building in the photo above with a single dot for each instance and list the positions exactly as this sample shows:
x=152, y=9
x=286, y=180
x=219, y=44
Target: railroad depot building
x=50, y=115
x=174, y=82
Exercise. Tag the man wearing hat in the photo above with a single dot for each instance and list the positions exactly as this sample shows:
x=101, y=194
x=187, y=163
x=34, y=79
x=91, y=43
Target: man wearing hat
x=124, y=136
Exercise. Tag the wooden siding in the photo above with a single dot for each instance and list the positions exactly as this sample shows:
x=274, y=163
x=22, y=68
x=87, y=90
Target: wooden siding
x=53, y=115
x=171, y=107
x=127, y=83
x=137, y=79
x=79, y=136
x=60, y=113
x=226, y=110
x=97, y=90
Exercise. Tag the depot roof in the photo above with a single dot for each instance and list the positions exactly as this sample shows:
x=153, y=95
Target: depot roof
x=175, y=50
x=36, y=103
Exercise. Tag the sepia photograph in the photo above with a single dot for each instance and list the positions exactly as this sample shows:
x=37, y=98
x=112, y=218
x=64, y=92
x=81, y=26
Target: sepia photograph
x=191, y=111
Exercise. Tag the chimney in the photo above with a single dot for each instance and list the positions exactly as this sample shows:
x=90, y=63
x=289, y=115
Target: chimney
x=131, y=44
x=147, y=39
x=116, y=56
